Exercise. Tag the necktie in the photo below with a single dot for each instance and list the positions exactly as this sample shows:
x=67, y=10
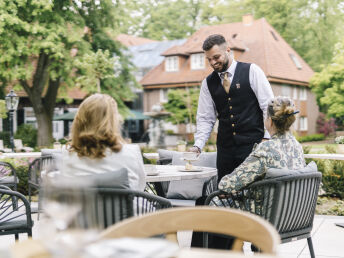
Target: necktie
x=226, y=82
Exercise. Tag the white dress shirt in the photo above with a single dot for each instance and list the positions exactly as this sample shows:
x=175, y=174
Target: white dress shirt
x=207, y=113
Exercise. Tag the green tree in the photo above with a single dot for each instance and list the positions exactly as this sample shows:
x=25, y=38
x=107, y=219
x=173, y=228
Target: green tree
x=305, y=24
x=43, y=44
x=328, y=85
x=182, y=104
x=161, y=19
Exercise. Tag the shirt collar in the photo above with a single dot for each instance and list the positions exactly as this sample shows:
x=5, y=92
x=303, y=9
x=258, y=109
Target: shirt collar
x=231, y=68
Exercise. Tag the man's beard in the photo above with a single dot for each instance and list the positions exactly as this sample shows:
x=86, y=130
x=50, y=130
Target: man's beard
x=224, y=67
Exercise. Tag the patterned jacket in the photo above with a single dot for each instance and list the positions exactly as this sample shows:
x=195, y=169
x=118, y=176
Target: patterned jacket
x=281, y=151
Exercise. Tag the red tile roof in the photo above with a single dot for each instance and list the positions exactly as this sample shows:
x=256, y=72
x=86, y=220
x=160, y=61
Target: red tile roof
x=128, y=40
x=259, y=43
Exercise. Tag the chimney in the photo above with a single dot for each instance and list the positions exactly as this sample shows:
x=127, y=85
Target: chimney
x=247, y=19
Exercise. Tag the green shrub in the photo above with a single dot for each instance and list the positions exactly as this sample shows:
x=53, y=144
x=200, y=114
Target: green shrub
x=63, y=141
x=332, y=176
x=28, y=134
x=311, y=137
x=5, y=136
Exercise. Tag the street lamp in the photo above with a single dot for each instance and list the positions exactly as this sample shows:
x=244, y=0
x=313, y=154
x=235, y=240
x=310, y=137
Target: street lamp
x=12, y=101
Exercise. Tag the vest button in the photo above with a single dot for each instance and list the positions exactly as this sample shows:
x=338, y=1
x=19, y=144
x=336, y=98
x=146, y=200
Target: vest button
x=234, y=133
x=230, y=107
x=232, y=116
x=232, y=125
x=229, y=99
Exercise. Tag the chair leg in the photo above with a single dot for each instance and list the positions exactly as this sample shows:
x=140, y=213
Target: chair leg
x=29, y=233
x=16, y=236
x=310, y=246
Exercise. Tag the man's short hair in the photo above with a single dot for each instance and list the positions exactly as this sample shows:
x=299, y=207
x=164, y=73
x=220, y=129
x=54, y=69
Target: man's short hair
x=212, y=40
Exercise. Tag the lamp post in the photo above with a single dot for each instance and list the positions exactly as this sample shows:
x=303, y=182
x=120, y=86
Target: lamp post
x=12, y=101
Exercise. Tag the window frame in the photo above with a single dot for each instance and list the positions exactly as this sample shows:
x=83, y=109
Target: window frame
x=171, y=64
x=195, y=63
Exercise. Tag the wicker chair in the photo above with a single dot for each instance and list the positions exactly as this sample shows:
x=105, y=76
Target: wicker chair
x=287, y=202
x=169, y=222
x=114, y=205
x=14, y=221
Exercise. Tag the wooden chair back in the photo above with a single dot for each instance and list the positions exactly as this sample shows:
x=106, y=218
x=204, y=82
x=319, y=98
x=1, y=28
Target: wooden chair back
x=236, y=223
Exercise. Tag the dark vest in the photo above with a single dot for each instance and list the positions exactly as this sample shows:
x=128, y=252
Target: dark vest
x=239, y=114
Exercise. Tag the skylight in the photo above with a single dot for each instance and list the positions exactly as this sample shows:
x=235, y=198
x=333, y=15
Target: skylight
x=296, y=61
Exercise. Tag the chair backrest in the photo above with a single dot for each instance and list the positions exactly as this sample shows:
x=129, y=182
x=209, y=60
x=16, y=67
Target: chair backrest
x=239, y=224
x=287, y=202
x=18, y=143
x=7, y=214
x=37, y=166
x=114, y=205
x=205, y=159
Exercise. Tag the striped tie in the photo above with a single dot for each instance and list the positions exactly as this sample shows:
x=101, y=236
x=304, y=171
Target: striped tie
x=226, y=82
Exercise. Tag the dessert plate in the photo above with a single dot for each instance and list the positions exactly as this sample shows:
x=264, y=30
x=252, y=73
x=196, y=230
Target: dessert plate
x=194, y=169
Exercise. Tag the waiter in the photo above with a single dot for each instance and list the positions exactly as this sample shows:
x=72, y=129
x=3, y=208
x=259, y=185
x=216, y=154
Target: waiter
x=237, y=95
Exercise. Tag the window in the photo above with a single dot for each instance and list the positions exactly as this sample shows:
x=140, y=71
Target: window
x=303, y=94
x=163, y=95
x=296, y=61
x=295, y=93
x=197, y=61
x=171, y=64
x=303, y=123
x=286, y=91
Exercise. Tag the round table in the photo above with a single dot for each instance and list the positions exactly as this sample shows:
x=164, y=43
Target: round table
x=173, y=173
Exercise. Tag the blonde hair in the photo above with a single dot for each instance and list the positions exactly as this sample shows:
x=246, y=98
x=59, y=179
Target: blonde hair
x=96, y=127
x=282, y=113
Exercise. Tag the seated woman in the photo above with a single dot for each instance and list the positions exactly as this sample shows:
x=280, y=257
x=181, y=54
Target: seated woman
x=97, y=146
x=281, y=151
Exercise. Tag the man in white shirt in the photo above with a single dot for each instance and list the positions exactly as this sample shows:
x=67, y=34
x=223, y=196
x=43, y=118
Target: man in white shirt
x=237, y=94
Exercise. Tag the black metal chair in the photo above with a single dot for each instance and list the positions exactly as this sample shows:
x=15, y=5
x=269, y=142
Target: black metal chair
x=113, y=205
x=8, y=175
x=14, y=221
x=287, y=202
x=44, y=163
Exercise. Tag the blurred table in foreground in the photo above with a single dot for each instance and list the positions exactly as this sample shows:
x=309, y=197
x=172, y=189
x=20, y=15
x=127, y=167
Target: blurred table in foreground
x=35, y=248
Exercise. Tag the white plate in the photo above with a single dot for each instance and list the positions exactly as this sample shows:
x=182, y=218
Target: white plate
x=195, y=169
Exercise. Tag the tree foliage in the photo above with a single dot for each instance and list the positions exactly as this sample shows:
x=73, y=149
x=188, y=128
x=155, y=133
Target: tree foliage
x=182, y=104
x=305, y=24
x=44, y=46
x=328, y=84
x=311, y=27
x=161, y=19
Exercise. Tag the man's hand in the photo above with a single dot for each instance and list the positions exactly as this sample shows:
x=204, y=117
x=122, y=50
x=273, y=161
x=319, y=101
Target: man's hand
x=195, y=149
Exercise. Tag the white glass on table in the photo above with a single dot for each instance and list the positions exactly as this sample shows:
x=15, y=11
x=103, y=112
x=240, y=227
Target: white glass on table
x=69, y=207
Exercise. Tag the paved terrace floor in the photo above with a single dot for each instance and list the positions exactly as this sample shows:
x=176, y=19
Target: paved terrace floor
x=328, y=239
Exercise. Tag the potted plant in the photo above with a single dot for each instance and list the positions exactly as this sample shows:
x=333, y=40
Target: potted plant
x=340, y=144
x=181, y=146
